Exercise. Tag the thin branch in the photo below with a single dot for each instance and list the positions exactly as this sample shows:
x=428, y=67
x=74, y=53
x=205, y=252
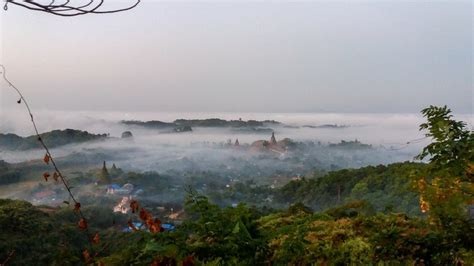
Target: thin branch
x=10, y=255
x=48, y=153
x=67, y=9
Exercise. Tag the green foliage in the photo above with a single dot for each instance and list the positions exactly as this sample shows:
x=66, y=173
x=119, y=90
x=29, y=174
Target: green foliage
x=221, y=233
x=35, y=237
x=452, y=148
x=447, y=184
x=50, y=236
x=383, y=187
x=389, y=239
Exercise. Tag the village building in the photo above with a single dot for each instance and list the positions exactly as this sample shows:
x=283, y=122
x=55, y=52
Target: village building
x=117, y=189
x=124, y=205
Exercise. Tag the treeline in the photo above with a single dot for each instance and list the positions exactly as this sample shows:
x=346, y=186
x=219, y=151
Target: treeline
x=242, y=235
x=385, y=188
x=211, y=122
x=8, y=175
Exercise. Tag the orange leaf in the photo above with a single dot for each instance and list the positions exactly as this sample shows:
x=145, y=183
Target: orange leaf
x=46, y=158
x=155, y=226
x=45, y=176
x=149, y=221
x=96, y=238
x=132, y=226
x=77, y=207
x=86, y=255
x=82, y=224
x=56, y=176
x=144, y=215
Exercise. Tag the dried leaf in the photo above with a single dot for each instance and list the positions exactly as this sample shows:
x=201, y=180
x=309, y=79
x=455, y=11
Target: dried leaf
x=155, y=228
x=132, y=226
x=46, y=175
x=46, y=158
x=56, y=176
x=96, y=238
x=77, y=207
x=149, y=222
x=145, y=215
x=82, y=224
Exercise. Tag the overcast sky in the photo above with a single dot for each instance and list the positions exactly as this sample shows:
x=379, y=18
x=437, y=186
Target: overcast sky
x=332, y=56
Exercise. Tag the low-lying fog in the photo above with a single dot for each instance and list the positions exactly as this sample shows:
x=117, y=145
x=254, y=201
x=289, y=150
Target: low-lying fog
x=161, y=151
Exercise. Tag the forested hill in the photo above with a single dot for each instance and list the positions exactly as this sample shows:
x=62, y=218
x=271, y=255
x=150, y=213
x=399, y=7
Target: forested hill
x=52, y=139
x=383, y=187
x=212, y=122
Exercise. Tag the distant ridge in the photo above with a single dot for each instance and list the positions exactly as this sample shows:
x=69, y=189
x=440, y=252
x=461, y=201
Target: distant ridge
x=211, y=122
x=52, y=139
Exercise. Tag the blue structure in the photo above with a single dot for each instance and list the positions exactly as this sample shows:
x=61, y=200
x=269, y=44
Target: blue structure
x=140, y=226
x=114, y=186
x=127, y=229
x=168, y=227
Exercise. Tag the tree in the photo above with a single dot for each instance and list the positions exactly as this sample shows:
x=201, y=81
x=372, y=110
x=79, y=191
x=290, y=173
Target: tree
x=447, y=185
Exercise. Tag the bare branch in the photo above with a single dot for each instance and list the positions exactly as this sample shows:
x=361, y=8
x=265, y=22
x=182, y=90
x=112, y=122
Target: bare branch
x=10, y=255
x=48, y=153
x=67, y=9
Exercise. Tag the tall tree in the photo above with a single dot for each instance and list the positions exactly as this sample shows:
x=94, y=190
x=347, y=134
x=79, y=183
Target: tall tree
x=448, y=184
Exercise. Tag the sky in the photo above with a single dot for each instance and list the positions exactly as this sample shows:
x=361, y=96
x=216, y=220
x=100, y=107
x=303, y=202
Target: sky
x=244, y=56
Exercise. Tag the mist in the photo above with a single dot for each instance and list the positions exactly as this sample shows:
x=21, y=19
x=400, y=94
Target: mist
x=161, y=150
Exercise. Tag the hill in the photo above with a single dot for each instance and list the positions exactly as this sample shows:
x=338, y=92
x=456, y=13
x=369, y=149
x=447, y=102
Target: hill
x=181, y=125
x=52, y=139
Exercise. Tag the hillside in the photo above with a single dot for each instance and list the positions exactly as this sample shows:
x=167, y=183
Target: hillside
x=211, y=122
x=383, y=188
x=55, y=138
